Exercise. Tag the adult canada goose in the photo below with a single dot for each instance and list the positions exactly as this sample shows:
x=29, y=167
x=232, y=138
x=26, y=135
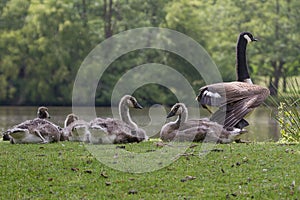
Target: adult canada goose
x=76, y=129
x=197, y=130
x=111, y=130
x=38, y=130
x=234, y=99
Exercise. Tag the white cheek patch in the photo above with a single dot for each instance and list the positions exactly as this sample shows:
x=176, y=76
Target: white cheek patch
x=179, y=111
x=130, y=104
x=247, y=38
x=212, y=94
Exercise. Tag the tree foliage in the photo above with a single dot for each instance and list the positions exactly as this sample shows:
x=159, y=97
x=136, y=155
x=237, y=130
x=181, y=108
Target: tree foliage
x=43, y=43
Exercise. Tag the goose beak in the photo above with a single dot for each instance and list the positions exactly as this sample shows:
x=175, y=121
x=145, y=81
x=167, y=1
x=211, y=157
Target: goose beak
x=138, y=106
x=254, y=39
x=171, y=114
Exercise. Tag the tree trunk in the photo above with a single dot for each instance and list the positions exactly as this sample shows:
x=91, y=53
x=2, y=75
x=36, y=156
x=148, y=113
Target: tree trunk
x=84, y=13
x=107, y=15
x=277, y=66
x=284, y=84
x=273, y=86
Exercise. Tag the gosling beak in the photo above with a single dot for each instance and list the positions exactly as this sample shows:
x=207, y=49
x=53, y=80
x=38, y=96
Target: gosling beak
x=171, y=114
x=138, y=106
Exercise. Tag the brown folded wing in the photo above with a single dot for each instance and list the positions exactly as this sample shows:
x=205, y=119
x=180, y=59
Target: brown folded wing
x=234, y=99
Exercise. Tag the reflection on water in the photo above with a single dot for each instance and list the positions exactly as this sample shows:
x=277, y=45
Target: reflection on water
x=262, y=126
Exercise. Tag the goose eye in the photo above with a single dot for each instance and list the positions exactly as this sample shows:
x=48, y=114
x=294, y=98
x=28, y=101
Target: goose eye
x=132, y=100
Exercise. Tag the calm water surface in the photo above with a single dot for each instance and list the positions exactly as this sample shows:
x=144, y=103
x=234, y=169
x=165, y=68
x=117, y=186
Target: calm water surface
x=262, y=125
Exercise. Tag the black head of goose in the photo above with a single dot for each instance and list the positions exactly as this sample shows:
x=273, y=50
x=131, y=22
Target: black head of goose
x=197, y=130
x=234, y=99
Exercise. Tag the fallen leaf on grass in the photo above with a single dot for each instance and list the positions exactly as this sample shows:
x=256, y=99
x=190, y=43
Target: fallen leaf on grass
x=192, y=146
x=132, y=191
x=290, y=151
x=150, y=150
x=188, y=178
x=217, y=150
x=187, y=154
x=160, y=144
x=236, y=164
x=74, y=169
x=89, y=161
x=40, y=155
x=232, y=194
x=88, y=171
x=103, y=174
x=292, y=187
x=82, y=187
x=287, y=144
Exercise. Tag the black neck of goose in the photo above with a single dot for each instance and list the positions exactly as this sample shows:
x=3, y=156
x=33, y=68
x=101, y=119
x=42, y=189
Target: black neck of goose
x=182, y=117
x=242, y=69
x=179, y=121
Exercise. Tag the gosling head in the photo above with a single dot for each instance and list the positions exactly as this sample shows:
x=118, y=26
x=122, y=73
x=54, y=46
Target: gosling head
x=42, y=113
x=177, y=109
x=70, y=119
x=247, y=36
x=132, y=102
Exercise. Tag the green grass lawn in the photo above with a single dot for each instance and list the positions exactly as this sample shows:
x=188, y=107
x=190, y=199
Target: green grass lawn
x=67, y=170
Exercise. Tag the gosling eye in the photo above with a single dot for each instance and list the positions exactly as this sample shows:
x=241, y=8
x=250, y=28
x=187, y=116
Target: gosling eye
x=132, y=100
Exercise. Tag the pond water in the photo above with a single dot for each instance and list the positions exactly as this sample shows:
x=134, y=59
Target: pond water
x=262, y=126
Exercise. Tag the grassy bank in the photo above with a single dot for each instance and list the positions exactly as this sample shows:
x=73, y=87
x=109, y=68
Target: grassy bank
x=68, y=171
